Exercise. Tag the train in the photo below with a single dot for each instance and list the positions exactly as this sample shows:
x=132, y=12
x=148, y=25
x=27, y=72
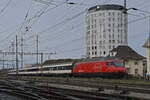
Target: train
x=96, y=68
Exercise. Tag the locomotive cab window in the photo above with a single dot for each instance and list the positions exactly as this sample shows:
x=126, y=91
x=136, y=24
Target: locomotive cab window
x=109, y=63
x=118, y=64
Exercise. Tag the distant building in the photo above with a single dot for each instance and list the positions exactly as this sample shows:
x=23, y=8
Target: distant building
x=147, y=45
x=106, y=28
x=133, y=61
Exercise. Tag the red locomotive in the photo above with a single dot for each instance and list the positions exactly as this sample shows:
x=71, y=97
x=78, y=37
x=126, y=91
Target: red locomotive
x=105, y=68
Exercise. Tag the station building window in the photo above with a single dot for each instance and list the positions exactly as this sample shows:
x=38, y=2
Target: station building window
x=136, y=62
x=136, y=71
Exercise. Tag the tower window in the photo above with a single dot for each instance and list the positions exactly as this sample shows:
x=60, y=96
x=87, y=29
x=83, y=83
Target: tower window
x=113, y=13
x=113, y=41
x=100, y=42
x=104, y=52
x=113, y=30
x=100, y=52
x=95, y=53
x=103, y=14
x=104, y=41
x=109, y=36
x=113, y=35
x=92, y=53
x=95, y=47
x=92, y=47
x=104, y=35
x=113, y=46
x=113, y=25
x=109, y=47
x=109, y=41
x=113, y=19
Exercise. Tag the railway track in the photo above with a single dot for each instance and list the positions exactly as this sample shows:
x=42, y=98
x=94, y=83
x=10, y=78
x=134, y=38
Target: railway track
x=30, y=89
x=30, y=92
x=10, y=89
x=33, y=92
x=141, y=88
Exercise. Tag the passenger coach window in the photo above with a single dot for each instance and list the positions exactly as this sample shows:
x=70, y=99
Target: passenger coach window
x=54, y=68
x=59, y=67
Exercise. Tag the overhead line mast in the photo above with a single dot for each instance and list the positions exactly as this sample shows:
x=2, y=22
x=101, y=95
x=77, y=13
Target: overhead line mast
x=16, y=55
x=37, y=47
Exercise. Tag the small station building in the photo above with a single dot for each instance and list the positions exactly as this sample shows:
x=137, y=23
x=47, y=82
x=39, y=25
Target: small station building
x=132, y=60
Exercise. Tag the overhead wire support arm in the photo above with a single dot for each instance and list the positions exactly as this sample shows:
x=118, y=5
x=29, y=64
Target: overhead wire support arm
x=50, y=2
x=46, y=2
x=2, y=10
x=26, y=53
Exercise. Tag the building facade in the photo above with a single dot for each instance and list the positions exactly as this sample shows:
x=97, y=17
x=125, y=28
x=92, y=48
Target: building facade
x=106, y=28
x=134, y=67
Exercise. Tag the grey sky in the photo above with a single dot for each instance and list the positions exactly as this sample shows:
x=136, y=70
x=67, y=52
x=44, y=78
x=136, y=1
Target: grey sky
x=61, y=28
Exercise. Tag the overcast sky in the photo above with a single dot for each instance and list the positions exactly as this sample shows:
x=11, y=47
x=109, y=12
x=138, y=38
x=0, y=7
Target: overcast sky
x=61, y=26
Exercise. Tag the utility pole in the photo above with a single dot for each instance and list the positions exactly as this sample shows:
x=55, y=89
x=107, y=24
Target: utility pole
x=13, y=50
x=3, y=60
x=9, y=48
x=37, y=47
x=148, y=50
x=41, y=58
x=16, y=55
x=125, y=13
x=21, y=52
x=149, y=27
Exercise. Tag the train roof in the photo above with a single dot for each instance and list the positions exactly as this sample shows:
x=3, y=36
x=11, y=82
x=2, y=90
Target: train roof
x=57, y=61
x=98, y=59
x=61, y=61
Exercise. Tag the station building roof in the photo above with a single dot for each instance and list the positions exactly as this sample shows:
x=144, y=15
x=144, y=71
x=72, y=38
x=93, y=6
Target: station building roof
x=126, y=52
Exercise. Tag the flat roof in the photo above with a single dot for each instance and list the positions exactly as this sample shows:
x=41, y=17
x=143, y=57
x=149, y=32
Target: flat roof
x=106, y=7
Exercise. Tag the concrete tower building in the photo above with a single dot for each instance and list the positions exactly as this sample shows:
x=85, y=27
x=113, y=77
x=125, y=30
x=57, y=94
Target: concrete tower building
x=106, y=28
